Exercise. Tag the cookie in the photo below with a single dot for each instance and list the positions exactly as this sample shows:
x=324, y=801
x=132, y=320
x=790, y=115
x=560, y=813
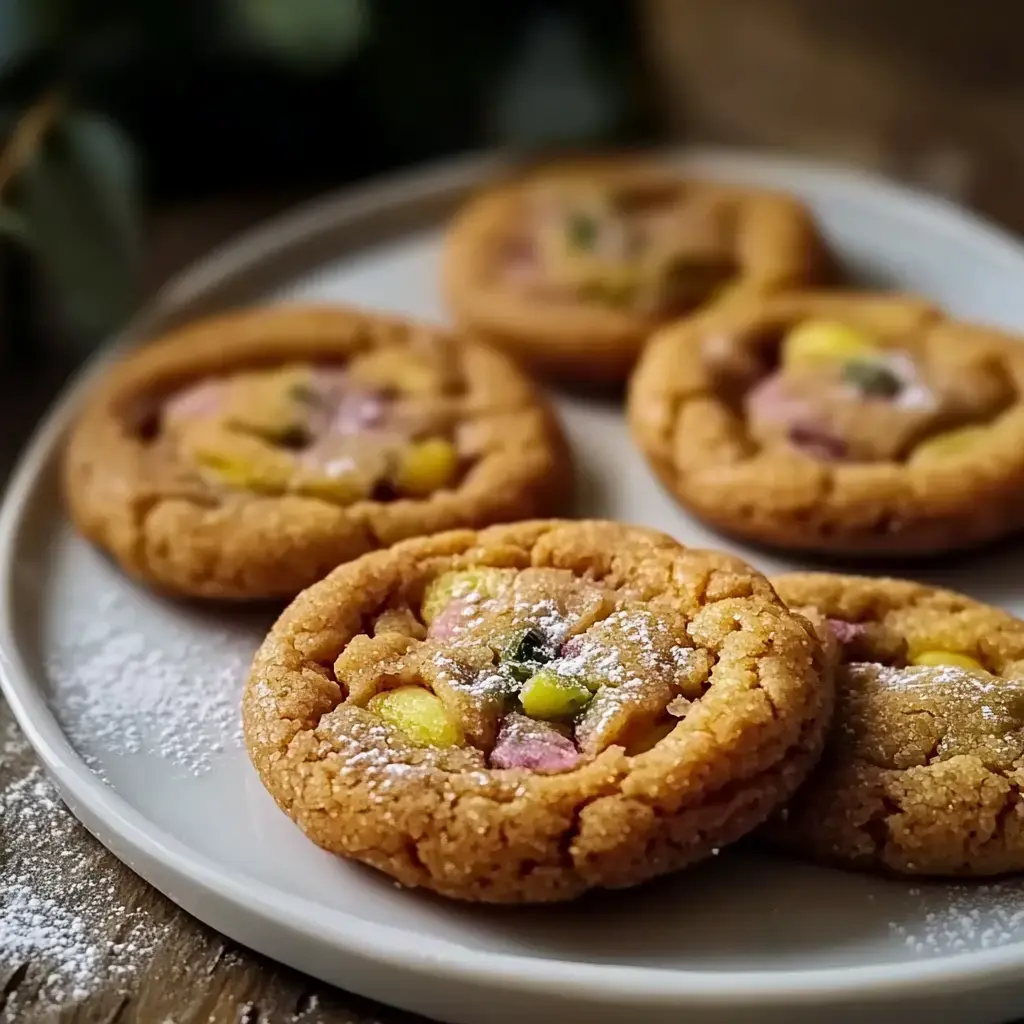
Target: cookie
x=246, y=455
x=923, y=770
x=571, y=268
x=850, y=423
x=535, y=710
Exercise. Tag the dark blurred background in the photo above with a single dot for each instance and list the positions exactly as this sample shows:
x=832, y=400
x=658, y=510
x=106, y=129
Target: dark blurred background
x=120, y=115
x=135, y=134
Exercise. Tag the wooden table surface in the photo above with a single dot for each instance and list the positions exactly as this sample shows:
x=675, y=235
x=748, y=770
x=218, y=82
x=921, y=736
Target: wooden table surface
x=183, y=973
x=145, y=961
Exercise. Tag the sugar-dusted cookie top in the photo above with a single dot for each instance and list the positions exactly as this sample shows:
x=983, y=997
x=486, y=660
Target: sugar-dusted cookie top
x=837, y=421
x=925, y=760
x=246, y=455
x=571, y=267
x=534, y=710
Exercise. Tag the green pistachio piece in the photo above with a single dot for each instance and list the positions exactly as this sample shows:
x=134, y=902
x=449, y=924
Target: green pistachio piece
x=581, y=231
x=450, y=586
x=419, y=714
x=526, y=652
x=547, y=695
x=872, y=378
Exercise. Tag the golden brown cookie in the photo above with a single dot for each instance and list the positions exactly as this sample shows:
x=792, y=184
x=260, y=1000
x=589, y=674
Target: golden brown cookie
x=837, y=422
x=571, y=267
x=246, y=455
x=923, y=770
x=535, y=710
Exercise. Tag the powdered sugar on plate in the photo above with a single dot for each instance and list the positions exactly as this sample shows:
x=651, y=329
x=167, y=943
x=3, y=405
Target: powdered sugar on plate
x=58, y=915
x=127, y=678
x=956, y=918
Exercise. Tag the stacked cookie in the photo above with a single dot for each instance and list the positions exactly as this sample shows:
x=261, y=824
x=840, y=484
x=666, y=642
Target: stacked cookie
x=528, y=711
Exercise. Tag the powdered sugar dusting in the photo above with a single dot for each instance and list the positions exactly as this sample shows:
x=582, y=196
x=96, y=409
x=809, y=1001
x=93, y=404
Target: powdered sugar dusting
x=546, y=613
x=478, y=682
x=57, y=913
x=927, y=677
x=587, y=657
x=611, y=702
x=597, y=654
x=957, y=918
x=126, y=678
x=914, y=394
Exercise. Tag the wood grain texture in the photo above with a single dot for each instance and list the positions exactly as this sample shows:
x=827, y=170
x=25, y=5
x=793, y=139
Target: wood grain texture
x=188, y=975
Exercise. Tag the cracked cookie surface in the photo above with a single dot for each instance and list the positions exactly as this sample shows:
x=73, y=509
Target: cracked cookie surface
x=246, y=455
x=530, y=711
x=923, y=768
x=571, y=267
x=837, y=422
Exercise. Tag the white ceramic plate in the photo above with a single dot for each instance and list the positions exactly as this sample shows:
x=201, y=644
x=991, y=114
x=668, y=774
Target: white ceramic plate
x=131, y=702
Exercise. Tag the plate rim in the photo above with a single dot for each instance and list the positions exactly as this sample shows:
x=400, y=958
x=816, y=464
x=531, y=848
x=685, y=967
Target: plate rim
x=153, y=848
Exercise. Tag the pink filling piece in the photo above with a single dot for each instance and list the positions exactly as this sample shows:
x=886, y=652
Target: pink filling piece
x=573, y=647
x=524, y=743
x=771, y=402
x=337, y=409
x=817, y=442
x=521, y=265
x=846, y=632
x=450, y=619
x=354, y=412
x=204, y=398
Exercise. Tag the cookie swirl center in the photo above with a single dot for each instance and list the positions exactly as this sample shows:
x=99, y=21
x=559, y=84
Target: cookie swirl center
x=654, y=254
x=374, y=430
x=537, y=669
x=837, y=392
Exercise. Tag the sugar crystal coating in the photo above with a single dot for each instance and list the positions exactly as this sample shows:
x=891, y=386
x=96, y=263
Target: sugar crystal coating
x=926, y=755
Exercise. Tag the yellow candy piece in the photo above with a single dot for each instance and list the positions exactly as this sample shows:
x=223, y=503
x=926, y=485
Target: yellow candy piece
x=245, y=475
x=548, y=695
x=948, y=658
x=339, y=490
x=819, y=342
x=240, y=460
x=951, y=443
x=614, y=285
x=450, y=586
x=426, y=466
x=419, y=714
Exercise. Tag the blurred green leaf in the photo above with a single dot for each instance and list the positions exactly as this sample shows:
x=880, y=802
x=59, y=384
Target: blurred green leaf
x=107, y=159
x=79, y=205
x=8, y=119
x=12, y=225
x=552, y=94
x=307, y=33
x=19, y=31
x=30, y=30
